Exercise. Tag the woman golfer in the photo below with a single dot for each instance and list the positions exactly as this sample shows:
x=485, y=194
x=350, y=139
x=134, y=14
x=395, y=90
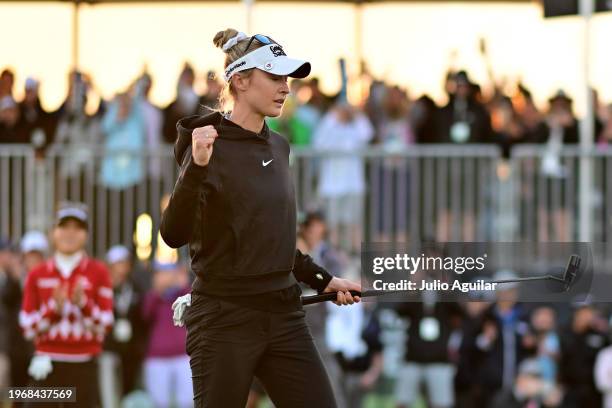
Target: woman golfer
x=234, y=204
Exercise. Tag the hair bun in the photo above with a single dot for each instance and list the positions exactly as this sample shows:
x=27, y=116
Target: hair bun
x=222, y=36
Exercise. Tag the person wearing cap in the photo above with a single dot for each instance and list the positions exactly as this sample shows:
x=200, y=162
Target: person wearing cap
x=33, y=248
x=558, y=129
x=213, y=89
x=67, y=310
x=123, y=352
x=234, y=204
x=464, y=120
x=75, y=130
x=430, y=342
x=39, y=123
x=499, y=344
x=166, y=370
x=313, y=240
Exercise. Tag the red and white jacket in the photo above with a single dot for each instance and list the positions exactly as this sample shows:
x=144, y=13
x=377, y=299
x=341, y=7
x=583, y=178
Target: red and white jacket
x=75, y=333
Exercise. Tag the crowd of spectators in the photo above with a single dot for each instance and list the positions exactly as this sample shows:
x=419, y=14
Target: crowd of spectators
x=490, y=351
x=131, y=130
x=397, y=118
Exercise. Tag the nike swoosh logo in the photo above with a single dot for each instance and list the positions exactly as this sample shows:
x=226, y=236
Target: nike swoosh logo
x=265, y=163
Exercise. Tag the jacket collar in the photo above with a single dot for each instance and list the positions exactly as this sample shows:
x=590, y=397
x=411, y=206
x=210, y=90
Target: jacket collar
x=232, y=130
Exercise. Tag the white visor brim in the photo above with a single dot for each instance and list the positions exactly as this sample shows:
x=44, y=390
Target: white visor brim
x=269, y=58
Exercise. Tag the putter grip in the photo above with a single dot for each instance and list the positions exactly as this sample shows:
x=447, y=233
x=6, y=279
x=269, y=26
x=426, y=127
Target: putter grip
x=309, y=300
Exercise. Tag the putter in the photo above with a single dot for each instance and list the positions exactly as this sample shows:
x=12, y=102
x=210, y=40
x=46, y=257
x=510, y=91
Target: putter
x=569, y=277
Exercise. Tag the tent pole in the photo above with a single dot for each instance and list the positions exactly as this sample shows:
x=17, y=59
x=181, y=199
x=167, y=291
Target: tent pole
x=75, y=35
x=585, y=216
x=249, y=15
x=359, y=31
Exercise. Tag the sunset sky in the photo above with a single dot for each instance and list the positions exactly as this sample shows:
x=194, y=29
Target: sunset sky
x=405, y=43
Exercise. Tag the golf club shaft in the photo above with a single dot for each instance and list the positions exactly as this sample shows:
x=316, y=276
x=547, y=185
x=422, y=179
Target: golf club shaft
x=530, y=278
x=309, y=300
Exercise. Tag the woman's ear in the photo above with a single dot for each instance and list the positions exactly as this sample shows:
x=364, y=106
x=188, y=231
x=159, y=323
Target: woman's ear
x=241, y=83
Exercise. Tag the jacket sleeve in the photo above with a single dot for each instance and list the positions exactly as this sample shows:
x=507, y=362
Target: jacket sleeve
x=100, y=306
x=36, y=315
x=305, y=270
x=190, y=189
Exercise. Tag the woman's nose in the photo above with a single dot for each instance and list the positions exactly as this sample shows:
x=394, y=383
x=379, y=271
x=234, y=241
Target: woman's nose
x=285, y=88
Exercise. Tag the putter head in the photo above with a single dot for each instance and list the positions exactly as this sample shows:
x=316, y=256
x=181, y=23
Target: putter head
x=571, y=271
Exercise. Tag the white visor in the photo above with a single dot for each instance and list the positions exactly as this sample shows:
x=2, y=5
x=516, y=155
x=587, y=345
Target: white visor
x=269, y=58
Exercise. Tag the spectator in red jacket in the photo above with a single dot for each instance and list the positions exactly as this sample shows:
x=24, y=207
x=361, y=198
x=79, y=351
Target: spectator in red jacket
x=67, y=310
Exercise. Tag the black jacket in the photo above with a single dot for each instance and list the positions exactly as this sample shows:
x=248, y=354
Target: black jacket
x=425, y=351
x=477, y=117
x=578, y=354
x=491, y=362
x=238, y=213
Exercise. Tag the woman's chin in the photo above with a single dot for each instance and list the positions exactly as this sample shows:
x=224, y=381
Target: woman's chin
x=275, y=111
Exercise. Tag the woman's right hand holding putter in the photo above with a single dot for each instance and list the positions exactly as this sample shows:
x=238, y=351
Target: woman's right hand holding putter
x=202, y=140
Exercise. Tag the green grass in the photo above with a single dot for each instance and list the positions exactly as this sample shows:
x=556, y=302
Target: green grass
x=372, y=400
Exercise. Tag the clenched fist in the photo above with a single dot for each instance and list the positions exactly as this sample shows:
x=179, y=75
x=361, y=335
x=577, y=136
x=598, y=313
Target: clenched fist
x=202, y=140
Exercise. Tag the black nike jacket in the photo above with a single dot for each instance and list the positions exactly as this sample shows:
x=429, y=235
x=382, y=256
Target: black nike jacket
x=238, y=213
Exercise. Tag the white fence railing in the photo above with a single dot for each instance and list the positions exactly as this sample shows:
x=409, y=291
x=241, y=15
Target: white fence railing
x=441, y=192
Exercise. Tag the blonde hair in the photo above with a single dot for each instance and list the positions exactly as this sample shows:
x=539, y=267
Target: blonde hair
x=232, y=54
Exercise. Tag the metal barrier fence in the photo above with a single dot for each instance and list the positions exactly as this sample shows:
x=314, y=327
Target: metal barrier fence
x=442, y=192
x=17, y=180
x=546, y=192
x=77, y=175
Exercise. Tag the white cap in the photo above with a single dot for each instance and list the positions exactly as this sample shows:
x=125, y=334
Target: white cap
x=31, y=83
x=34, y=241
x=269, y=58
x=73, y=210
x=117, y=253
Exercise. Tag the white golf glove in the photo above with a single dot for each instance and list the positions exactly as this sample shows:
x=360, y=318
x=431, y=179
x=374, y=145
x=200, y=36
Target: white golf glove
x=40, y=367
x=179, y=306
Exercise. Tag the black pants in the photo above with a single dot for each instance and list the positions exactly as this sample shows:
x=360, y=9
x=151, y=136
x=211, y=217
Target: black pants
x=82, y=376
x=229, y=344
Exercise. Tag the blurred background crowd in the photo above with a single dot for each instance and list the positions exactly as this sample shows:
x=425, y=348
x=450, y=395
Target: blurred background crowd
x=363, y=168
x=388, y=114
x=489, y=351
x=126, y=141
